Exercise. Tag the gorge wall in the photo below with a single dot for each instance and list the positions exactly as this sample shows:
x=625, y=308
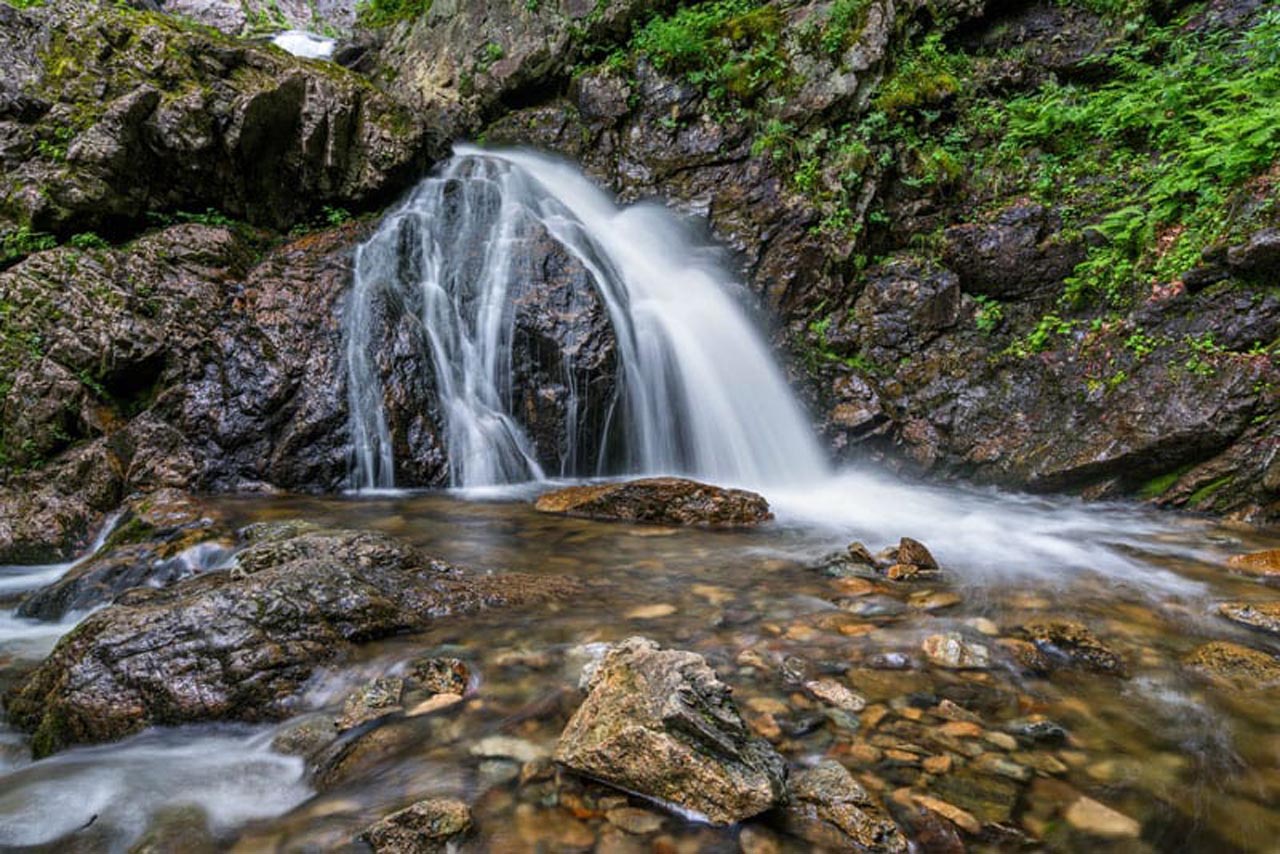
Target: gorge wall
x=1031, y=244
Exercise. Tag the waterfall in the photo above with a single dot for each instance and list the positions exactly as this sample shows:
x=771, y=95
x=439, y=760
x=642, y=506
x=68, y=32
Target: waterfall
x=695, y=389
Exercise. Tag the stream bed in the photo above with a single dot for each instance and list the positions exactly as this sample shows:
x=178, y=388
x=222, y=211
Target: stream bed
x=1177, y=763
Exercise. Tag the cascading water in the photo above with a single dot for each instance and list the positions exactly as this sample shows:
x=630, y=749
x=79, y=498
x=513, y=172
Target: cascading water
x=697, y=390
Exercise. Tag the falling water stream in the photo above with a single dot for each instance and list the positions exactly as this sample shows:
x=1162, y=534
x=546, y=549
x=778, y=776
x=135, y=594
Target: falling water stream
x=697, y=392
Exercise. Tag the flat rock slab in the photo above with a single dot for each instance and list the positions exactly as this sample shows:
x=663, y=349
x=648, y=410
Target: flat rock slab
x=240, y=644
x=659, y=723
x=661, y=501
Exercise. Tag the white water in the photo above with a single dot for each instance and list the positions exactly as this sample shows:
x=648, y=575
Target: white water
x=700, y=392
x=304, y=44
x=231, y=773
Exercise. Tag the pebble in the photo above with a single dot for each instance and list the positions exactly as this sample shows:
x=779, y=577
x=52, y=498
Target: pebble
x=634, y=820
x=1098, y=819
x=757, y=840
x=961, y=819
x=938, y=764
x=983, y=626
x=714, y=595
x=505, y=747
x=933, y=600
x=434, y=704
x=993, y=763
x=961, y=729
x=833, y=693
x=952, y=651
x=651, y=612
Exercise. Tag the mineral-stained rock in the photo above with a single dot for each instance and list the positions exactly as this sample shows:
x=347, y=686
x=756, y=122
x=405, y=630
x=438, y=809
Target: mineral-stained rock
x=426, y=827
x=830, y=809
x=659, y=723
x=1234, y=664
x=660, y=500
x=1073, y=644
x=1264, y=616
x=239, y=646
x=160, y=539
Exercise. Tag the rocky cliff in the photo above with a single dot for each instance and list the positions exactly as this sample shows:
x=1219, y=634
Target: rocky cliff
x=1025, y=243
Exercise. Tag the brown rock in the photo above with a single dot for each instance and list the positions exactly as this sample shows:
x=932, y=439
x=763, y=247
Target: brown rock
x=427, y=827
x=1235, y=664
x=660, y=500
x=659, y=723
x=915, y=553
x=1072, y=644
x=1264, y=616
x=1265, y=563
x=829, y=808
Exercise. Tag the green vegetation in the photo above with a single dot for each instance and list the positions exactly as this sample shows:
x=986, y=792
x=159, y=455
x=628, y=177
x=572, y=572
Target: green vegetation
x=384, y=13
x=25, y=4
x=88, y=240
x=990, y=314
x=22, y=241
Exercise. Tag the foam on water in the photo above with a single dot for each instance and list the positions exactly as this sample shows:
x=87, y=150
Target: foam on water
x=304, y=44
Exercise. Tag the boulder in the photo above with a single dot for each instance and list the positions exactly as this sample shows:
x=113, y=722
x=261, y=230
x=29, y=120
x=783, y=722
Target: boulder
x=240, y=645
x=1234, y=665
x=1258, y=255
x=659, y=723
x=1263, y=616
x=661, y=501
x=830, y=809
x=1264, y=563
x=1071, y=644
x=427, y=827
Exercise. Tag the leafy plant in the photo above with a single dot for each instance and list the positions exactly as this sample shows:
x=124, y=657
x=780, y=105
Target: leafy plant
x=23, y=241
x=990, y=314
x=88, y=240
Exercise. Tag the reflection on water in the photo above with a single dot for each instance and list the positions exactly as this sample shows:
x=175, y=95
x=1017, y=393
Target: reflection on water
x=1198, y=767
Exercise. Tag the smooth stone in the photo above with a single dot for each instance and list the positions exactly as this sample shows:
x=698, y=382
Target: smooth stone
x=952, y=651
x=1098, y=819
x=1264, y=616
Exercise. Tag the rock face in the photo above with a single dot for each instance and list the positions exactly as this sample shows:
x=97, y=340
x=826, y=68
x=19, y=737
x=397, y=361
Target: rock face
x=660, y=500
x=659, y=723
x=187, y=364
x=239, y=645
x=175, y=117
x=1018, y=253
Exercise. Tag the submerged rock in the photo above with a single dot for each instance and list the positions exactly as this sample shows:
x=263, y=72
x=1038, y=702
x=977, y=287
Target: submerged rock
x=1265, y=563
x=377, y=699
x=660, y=500
x=426, y=827
x=227, y=646
x=1072, y=644
x=1264, y=616
x=1234, y=664
x=1098, y=819
x=829, y=808
x=952, y=651
x=659, y=723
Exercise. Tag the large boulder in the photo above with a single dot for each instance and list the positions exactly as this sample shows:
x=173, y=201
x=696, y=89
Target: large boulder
x=660, y=500
x=240, y=644
x=659, y=723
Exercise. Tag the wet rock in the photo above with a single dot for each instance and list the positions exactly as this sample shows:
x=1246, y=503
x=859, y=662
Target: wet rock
x=1097, y=819
x=834, y=694
x=1264, y=616
x=659, y=723
x=660, y=500
x=160, y=539
x=219, y=647
x=305, y=736
x=1038, y=731
x=914, y=553
x=634, y=820
x=828, y=808
x=177, y=830
x=952, y=651
x=1018, y=253
x=1265, y=563
x=1027, y=655
x=427, y=827
x=377, y=699
x=990, y=799
x=440, y=675
x=506, y=747
x=1234, y=664
x=1259, y=254
x=1072, y=644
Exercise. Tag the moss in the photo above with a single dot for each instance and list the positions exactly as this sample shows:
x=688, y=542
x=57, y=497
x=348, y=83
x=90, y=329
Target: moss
x=1161, y=484
x=1204, y=493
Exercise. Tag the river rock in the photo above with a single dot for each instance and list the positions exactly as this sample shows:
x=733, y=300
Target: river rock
x=1264, y=616
x=1072, y=644
x=426, y=827
x=828, y=808
x=377, y=699
x=1098, y=819
x=952, y=651
x=1265, y=563
x=226, y=646
x=160, y=539
x=659, y=723
x=662, y=501
x=1234, y=664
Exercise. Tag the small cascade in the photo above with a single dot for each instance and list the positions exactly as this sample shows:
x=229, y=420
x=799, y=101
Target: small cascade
x=510, y=312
